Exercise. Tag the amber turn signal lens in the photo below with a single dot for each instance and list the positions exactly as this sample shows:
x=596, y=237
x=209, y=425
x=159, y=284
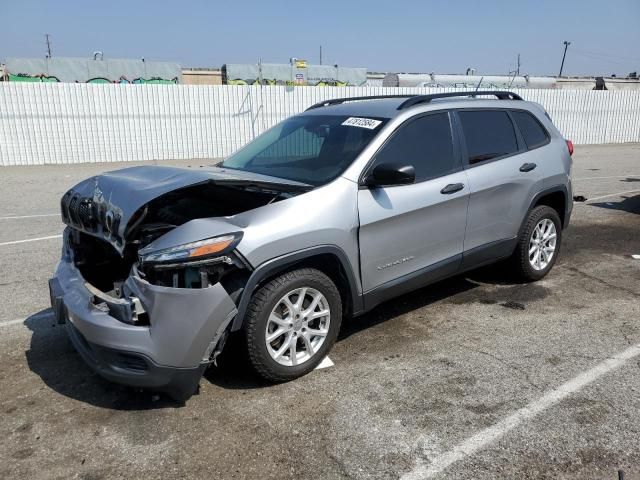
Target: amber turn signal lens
x=211, y=248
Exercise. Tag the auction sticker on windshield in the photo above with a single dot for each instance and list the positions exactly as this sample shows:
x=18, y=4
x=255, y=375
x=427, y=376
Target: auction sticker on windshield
x=369, y=123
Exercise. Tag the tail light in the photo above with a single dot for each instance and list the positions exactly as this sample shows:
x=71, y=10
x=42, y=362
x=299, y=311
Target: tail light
x=570, y=147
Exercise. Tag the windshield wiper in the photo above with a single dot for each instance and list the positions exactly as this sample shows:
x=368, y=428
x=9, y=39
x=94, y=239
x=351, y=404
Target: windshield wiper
x=264, y=185
x=280, y=183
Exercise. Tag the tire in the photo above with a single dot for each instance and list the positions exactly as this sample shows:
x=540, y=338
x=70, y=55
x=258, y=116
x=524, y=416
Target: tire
x=532, y=268
x=268, y=313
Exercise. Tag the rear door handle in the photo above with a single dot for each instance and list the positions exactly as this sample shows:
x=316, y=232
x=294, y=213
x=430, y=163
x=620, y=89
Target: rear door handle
x=527, y=167
x=452, y=188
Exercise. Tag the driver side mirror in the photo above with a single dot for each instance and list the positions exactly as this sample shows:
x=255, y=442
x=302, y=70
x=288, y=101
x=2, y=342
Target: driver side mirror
x=388, y=175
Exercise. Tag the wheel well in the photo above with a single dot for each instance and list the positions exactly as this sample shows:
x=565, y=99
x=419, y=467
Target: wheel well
x=555, y=200
x=328, y=264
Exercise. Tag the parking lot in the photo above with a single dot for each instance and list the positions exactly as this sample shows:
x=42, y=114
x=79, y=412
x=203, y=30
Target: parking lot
x=475, y=377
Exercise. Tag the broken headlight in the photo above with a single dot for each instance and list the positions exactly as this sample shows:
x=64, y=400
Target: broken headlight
x=196, y=252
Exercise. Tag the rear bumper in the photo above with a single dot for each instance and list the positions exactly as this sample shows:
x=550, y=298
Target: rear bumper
x=569, y=205
x=169, y=353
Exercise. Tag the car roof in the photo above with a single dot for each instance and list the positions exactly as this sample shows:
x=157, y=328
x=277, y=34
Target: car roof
x=389, y=107
x=384, y=108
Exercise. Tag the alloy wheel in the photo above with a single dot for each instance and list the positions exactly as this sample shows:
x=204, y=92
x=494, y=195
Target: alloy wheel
x=297, y=326
x=542, y=244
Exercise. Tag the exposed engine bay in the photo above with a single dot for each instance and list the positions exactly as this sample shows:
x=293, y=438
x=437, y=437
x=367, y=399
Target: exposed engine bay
x=106, y=268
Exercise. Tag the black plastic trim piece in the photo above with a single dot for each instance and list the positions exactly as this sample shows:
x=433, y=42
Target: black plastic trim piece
x=412, y=281
x=474, y=258
x=56, y=293
x=488, y=253
x=567, y=201
x=417, y=99
x=279, y=264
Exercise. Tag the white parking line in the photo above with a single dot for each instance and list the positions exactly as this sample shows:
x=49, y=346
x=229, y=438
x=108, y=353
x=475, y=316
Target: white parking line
x=20, y=321
x=30, y=240
x=491, y=434
x=19, y=217
x=612, y=195
x=12, y=322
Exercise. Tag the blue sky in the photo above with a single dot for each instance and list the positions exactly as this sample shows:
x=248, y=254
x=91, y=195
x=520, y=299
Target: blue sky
x=401, y=35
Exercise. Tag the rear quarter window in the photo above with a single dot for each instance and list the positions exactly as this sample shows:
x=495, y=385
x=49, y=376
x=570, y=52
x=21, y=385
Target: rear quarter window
x=532, y=131
x=488, y=134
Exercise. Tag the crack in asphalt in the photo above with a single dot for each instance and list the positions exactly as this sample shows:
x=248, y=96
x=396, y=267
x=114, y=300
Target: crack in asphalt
x=338, y=463
x=626, y=337
x=493, y=433
x=615, y=287
x=503, y=362
x=603, y=282
x=572, y=355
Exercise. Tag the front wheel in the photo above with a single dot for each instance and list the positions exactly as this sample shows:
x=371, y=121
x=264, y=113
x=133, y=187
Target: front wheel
x=292, y=322
x=538, y=244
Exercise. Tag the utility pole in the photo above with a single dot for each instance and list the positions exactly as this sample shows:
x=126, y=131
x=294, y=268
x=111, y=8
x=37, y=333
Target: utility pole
x=46, y=35
x=518, y=67
x=320, y=54
x=566, y=45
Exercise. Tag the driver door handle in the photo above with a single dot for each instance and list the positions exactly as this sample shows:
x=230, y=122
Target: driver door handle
x=527, y=167
x=452, y=188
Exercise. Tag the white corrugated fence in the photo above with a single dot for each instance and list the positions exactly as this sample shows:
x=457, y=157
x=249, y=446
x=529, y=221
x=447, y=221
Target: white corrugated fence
x=42, y=123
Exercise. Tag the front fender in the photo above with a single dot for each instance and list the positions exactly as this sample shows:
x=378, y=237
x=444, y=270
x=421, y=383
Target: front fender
x=280, y=264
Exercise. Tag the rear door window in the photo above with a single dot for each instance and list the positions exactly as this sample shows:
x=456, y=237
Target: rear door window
x=489, y=134
x=533, y=133
x=425, y=143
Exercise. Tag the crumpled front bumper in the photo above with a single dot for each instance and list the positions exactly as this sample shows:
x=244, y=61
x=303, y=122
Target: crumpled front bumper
x=169, y=354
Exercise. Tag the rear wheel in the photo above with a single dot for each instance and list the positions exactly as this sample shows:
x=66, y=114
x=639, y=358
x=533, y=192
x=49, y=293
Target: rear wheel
x=292, y=322
x=539, y=243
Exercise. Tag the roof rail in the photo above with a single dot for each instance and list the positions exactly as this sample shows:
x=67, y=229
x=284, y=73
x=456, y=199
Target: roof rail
x=414, y=99
x=417, y=99
x=336, y=101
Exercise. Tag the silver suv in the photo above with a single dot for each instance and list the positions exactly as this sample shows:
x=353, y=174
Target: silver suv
x=326, y=215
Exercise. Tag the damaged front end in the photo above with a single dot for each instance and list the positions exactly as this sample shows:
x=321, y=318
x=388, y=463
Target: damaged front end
x=142, y=335
x=150, y=276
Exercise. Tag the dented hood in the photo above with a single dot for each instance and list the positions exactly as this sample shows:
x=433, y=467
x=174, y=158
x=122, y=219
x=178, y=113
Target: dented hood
x=104, y=205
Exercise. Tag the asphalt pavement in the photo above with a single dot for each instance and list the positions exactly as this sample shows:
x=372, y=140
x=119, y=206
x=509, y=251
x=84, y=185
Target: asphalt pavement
x=475, y=377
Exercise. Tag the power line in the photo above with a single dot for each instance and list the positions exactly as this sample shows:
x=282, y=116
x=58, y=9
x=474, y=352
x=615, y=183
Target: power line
x=606, y=55
x=603, y=59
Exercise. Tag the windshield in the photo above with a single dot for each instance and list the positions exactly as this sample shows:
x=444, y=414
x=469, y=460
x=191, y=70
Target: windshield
x=312, y=149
